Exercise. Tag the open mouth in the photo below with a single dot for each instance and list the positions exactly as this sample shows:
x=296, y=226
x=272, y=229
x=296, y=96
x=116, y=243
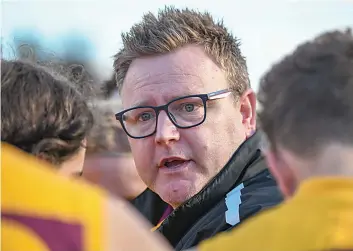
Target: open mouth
x=174, y=163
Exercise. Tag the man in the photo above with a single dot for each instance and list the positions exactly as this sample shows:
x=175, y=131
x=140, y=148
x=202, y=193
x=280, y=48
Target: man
x=173, y=70
x=41, y=210
x=307, y=115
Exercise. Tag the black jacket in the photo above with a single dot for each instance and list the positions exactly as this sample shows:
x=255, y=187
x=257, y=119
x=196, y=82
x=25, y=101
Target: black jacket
x=150, y=205
x=241, y=189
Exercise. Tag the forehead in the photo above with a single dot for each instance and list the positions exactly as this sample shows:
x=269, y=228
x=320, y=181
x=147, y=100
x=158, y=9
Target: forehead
x=158, y=79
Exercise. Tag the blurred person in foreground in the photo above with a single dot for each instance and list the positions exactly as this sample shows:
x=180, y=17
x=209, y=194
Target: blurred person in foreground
x=190, y=116
x=44, y=114
x=41, y=210
x=307, y=115
x=109, y=163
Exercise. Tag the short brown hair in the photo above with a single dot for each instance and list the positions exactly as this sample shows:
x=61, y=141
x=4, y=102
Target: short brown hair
x=42, y=114
x=173, y=29
x=307, y=98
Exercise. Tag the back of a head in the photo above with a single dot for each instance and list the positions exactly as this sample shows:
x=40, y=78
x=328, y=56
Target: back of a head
x=174, y=28
x=107, y=136
x=108, y=161
x=77, y=74
x=307, y=98
x=108, y=88
x=42, y=114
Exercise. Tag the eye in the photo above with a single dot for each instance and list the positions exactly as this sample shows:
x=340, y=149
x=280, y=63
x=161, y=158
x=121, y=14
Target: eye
x=145, y=116
x=189, y=107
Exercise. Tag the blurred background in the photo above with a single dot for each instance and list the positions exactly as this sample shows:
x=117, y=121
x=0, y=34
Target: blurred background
x=88, y=32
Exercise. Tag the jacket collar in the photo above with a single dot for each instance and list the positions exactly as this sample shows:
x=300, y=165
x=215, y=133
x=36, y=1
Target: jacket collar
x=234, y=172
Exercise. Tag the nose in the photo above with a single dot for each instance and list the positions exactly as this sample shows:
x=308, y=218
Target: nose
x=166, y=131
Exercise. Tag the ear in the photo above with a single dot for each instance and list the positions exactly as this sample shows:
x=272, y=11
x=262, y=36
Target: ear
x=43, y=157
x=84, y=143
x=248, y=111
x=282, y=173
x=74, y=164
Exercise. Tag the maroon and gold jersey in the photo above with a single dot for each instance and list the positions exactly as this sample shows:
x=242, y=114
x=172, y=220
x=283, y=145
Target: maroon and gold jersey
x=40, y=210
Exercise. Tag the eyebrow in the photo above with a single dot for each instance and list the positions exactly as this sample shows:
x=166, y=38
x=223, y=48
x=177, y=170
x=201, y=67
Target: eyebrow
x=140, y=103
x=170, y=98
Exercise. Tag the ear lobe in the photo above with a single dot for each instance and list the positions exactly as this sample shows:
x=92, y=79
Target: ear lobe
x=280, y=172
x=43, y=157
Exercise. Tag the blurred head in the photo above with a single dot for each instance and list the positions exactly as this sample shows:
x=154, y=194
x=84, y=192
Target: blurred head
x=109, y=88
x=109, y=162
x=44, y=115
x=178, y=148
x=307, y=111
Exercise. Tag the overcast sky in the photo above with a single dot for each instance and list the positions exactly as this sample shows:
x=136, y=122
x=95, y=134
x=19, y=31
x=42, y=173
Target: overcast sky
x=267, y=29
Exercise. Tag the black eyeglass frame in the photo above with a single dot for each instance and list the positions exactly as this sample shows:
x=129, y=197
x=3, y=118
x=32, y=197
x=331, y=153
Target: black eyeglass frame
x=204, y=97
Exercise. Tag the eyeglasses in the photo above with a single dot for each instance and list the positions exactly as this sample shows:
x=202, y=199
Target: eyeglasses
x=184, y=112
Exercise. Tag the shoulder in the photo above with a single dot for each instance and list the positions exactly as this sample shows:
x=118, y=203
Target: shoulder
x=36, y=199
x=43, y=211
x=255, y=228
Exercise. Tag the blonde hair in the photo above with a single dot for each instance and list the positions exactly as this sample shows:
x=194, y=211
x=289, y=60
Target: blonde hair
x=172, y=29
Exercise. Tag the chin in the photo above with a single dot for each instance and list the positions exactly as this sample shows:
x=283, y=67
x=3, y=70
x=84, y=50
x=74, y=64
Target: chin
x=176, y=201
x=175, y=195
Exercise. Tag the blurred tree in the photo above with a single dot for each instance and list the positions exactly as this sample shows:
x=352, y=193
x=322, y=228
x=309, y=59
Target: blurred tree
x=27, y=44
x=77, y=48
x=70, y=55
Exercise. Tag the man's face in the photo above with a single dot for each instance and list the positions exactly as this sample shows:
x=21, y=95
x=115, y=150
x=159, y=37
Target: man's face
x=204, y=149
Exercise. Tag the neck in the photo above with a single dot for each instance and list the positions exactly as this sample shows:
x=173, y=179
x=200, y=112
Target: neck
x=334, y=161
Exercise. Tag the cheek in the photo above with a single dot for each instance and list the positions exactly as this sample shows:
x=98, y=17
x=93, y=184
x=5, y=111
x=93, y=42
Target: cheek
x=197, y=141
x=224, y=127
x=220, y=137
x=230, y=130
